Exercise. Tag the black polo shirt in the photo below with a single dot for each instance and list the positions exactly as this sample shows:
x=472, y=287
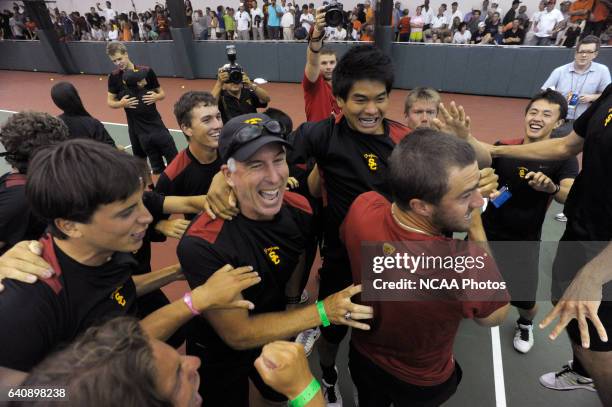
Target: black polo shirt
x=144, y=118
x=522, y=216
x=589, y=205
x=511, y=34
x=350, y=163
x=186, y=176
x=37, y=318
x=230, y=106
x=273, y=249
x=17, y=222
x=154, y=202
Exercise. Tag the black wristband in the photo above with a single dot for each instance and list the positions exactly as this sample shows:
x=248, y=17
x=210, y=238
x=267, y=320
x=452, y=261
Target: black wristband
x=557, y=189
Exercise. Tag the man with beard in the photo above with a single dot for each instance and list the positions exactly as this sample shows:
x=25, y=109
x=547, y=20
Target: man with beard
x=434, y=180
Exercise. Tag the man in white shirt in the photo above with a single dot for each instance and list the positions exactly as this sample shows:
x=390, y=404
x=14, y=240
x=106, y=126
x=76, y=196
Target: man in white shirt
x=287, y=23
x=439, y=24
x=257, y=22
x=455, y=12
x=243, y=21
x=543, y=26
x=307, y=20
x=428, y=14
x=109, y=13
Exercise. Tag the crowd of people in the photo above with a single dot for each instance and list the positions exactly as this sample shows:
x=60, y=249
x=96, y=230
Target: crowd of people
x=259, y=199
x=552, y=24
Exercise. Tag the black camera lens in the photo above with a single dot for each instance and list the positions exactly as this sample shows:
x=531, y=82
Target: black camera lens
x=334, y=17
x=235, y=76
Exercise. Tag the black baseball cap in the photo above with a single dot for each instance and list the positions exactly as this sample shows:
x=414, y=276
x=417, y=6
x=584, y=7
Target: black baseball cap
x=243, y=135
x=132, y=77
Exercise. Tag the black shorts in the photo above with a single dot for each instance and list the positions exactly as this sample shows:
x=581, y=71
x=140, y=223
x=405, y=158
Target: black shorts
x=518, y=263
x=335, y=275
x=378, y=388
x=572, y=254
x=226, y=383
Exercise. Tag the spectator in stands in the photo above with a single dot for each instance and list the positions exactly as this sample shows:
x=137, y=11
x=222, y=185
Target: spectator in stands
x=523, y=17
x=397, y=16
x=143, y=371
x=109, y=13
x=80, y=123
x=416, y=26
x=214, y=25
x=221, y=35
x=481, y=36
x=512, y=13
x=428, y=15
x=238, y=98
x=420, y=369
x=257, y=22
x=492, y=27
x=581, y=81
x=230, y=23
x=288, y=23
x=199, y=27
x=579, y=10
x=421, y=107
x=439, y=24
x=474, y=22
x=112, y=32
x=462, y=35
x=319, y=101
x=243, y=23
x=275, y=12
x=404, y=26
x=596, y=21
x=307, y=19
x=570, y=36
x=515, y=35
x=455, y=12
x=22, y=136
x=546, y=22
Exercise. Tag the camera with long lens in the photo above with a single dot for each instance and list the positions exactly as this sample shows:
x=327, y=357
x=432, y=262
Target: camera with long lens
x=334, y=14
x=233, y=69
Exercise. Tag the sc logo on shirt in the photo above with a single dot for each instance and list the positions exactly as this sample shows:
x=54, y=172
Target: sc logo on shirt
x=272, y=254
x=117, y=296
x=608, y=118
x=372, y=161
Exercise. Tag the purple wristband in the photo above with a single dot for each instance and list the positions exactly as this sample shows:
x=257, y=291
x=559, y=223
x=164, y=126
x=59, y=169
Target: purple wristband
x=189, y=302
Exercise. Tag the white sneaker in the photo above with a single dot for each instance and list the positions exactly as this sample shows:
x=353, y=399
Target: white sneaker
x=331, y=393
x=308, y=338
x=566, y=379
x=304, y=297
x=523, y=338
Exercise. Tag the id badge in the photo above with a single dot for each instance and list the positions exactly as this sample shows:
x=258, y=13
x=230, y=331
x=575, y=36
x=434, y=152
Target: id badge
x=501, y=199
x=573, y=99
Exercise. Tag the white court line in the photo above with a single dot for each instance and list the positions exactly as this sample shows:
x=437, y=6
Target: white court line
x=498, y=368
x=111, y=123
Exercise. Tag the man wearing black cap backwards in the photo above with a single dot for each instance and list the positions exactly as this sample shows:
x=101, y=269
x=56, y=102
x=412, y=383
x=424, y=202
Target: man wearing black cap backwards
x=269, y=234
x=136, y=89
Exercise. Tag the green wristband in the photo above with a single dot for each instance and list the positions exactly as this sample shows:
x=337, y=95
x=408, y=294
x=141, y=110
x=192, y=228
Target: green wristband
x=322, y=314
x=306, y=395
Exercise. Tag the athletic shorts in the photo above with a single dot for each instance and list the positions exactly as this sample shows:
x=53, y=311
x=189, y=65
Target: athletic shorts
x=378, y=388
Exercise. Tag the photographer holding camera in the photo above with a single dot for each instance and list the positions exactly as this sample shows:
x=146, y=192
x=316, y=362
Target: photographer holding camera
x=319, y=100
x=234, y=90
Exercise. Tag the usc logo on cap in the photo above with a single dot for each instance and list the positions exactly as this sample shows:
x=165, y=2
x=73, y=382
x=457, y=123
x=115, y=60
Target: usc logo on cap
x=254, y=120
x=371, y=160
x=522, y=171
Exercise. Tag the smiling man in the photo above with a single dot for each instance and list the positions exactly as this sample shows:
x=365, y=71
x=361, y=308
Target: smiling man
x=408, y=359
x=532, y=184
x=271, y=234
x=92, y=198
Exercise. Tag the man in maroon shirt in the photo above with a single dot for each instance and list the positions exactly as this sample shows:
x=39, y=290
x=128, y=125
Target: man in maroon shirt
x=319, y=101
x=407, y=359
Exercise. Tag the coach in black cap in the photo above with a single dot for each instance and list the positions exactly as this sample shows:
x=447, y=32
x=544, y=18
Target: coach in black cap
x=270, y=234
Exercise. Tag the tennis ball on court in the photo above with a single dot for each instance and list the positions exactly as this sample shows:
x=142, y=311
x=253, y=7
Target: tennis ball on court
x=182, y=86
x=52, y=79
x=35, y=70
x=100, y=78
x=82, y=72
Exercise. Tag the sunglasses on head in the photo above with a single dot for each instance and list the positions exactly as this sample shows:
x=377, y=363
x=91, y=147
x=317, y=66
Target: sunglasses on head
x=254, y=131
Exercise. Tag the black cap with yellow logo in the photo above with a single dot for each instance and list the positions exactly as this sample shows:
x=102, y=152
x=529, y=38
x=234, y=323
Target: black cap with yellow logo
x=243, y=135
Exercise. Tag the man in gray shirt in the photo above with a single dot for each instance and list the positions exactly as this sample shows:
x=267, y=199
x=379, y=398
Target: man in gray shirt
x=581, y=81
